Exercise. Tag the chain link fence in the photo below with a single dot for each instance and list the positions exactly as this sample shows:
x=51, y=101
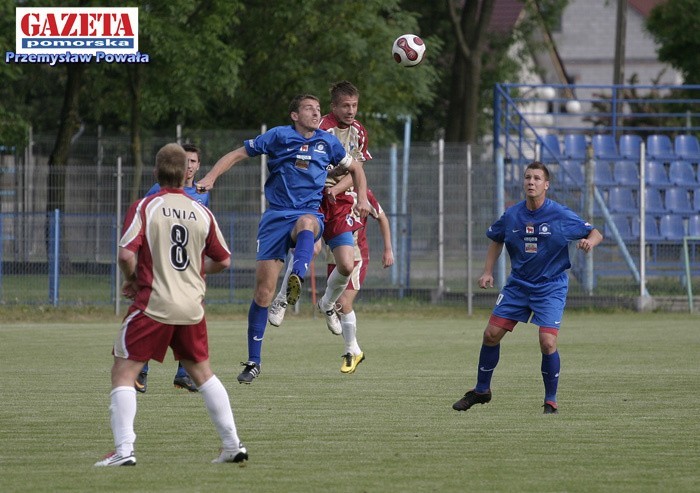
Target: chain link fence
x=68, y=256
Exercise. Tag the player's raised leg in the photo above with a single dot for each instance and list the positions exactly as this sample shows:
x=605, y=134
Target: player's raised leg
x=278, y=307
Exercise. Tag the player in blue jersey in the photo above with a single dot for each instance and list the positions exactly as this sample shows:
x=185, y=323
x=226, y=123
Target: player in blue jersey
x=182, y=379
x=300, y=156
x=536, y=233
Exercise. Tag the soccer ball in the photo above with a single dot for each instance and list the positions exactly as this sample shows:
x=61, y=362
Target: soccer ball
x=408, y=50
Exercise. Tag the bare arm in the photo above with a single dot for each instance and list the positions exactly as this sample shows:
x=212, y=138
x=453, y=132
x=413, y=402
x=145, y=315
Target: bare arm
x=589, y=242
x=385, y=230
x=224, y=164
x=359, y=180
x=213, y=266
x=343, y=184
x=127, y=265
x=494, y=251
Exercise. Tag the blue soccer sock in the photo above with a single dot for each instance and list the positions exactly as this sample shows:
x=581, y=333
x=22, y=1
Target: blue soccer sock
x=551, y=366
x=488, y=359
x=303, y=252
x=257, y=320
x=180, y=371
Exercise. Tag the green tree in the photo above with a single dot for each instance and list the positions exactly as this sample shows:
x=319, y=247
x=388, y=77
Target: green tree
x=481, y=58
x=674, y=26
x=190, y=63
x=305, y=45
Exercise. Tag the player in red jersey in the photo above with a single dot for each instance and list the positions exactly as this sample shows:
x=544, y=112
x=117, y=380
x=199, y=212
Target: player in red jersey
x=169, y=242
x=353, y=355
x=340, y=225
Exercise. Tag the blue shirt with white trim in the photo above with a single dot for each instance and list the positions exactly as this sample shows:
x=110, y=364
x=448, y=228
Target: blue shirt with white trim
x=538, y=241
x=297, y=166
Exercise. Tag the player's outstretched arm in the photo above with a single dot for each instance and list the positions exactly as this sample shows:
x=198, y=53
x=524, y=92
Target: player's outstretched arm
x=224, y=164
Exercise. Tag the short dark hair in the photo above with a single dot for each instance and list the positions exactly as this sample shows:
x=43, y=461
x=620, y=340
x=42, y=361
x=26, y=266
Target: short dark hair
x=171, y=164
x=343, y=88
x=192, y=148
x=296, y=101
x=539, y=165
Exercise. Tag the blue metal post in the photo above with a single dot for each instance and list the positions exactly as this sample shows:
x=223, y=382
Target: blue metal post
x=54, y=255
x=500, y=206
x=393, y=207
x=404, y=262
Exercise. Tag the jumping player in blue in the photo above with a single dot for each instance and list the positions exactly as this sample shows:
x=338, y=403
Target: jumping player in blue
x=536, y=233
x=182, y=379
x=300, y=156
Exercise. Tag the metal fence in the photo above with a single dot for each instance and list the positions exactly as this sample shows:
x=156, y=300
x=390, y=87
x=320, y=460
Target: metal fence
x=68, y=256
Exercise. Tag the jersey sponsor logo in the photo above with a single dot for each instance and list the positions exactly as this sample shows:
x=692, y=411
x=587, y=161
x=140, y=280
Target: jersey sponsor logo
x=530, y=229
x=301, y=163
x=82, y=30
x=530, y=239
x=545, y=229
x=530, y=247
x=304, y=148
x=179, y=214
x=304, y=157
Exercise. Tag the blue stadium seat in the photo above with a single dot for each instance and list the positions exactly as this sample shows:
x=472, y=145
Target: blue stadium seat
x=572, y=173
x=687, y=147
x=660, y=148
x=677, y=201
x=651, y=228
x=681, y=173
x=629, y=146
x=575, y=146
x=626, y=173
x=623, y=225
x=694, y=225
x=696, y=200
x=551, y=150
x=655, y=174
x=671, y=227
x=602, y=174
x=604, y=147
x=653, y=202
x=621, y=200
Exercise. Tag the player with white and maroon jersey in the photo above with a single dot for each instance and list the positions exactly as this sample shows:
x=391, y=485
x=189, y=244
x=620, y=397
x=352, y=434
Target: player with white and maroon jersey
x=353, y=355
x=182, y=379
x=169, y=243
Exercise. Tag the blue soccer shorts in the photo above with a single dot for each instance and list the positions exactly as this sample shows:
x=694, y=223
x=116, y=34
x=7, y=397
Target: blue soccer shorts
x=274, y=232
x=541, y=304
x=343, y=239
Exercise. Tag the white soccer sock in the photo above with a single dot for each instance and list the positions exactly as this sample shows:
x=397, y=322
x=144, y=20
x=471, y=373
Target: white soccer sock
x=335, y=286
x=288, y=263
x=349, y=323
x=122, y=412
x=219, y=409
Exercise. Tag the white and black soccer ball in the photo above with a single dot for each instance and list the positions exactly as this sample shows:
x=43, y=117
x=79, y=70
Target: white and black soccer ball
x=408, y=50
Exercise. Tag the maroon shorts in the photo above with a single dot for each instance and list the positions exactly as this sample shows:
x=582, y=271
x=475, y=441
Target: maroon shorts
x=339, y=217
x=141, y=339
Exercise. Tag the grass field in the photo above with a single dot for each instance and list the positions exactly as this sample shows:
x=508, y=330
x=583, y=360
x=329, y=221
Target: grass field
x=628, y=419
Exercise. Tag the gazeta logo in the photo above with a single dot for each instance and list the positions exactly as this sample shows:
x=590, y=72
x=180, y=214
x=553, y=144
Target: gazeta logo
x=49, y=30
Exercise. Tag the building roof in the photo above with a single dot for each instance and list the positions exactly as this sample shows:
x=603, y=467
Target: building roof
x=644, y=7
x=505, y=15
